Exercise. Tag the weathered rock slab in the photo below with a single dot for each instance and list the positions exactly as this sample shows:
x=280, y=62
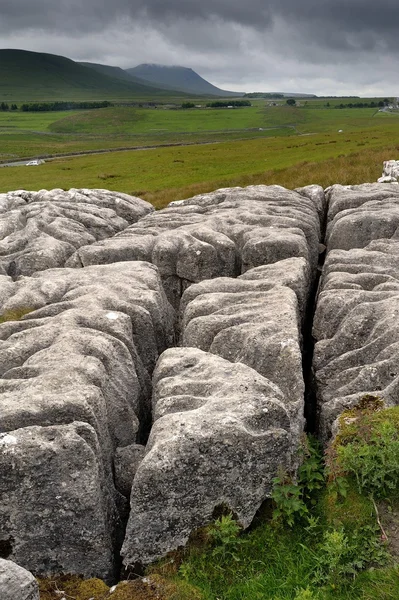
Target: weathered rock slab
x=57, y=512
x=40, y=230
x=220, y=433
x=224, y=233
x=255, y=320
x=75, y=345
x=356, y=327
x=359, y=214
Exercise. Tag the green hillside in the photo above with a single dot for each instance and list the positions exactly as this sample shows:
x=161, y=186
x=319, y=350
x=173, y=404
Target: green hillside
x=178, y=78
x=117, y=73
x=26, y=76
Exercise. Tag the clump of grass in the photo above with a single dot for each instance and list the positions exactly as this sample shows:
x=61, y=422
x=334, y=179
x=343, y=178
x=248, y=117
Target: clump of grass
x=15, y=314
x=367, y=448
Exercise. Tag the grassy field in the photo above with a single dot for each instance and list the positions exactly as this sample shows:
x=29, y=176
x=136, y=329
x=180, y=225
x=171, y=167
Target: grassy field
x=164, y=174
x=291, y=146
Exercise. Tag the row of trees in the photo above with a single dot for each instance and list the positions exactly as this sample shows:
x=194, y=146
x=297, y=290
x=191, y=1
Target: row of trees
x=226, y=103
x=264, y=95
x=51, y=106
x=372, y=104
x=4, y=106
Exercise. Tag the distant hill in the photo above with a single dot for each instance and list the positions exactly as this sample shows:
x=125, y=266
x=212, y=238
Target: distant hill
x=28, y=76
x=178, y=78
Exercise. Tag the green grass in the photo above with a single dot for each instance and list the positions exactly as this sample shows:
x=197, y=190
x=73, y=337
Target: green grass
x=140, y=120
x=164, y=174
x=291, y=146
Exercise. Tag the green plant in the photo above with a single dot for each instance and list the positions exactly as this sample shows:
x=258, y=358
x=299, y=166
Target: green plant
x=288, y=498
x=373, y=459
x=224, y=535
x=311, y=470
x=332, y=559
x=15, y=314
x=292, y=498
x=367, y=449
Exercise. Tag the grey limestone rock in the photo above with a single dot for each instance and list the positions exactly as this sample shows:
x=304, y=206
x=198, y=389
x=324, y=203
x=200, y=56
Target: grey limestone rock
x=221, y=431
x=360, y=214
x=40, y=230
x=356, y=327
x=16, y=583
x=255, y=320
x=391, y=169
x=318, y=197
x=57, y=512
x=224, y=233
x=84, y=351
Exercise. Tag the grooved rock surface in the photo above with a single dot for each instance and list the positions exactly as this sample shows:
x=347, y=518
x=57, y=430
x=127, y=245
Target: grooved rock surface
x=255, y=320
x=359, y=214
x=40, y=230
x=356, y=324
x=221, y=430
x=58, y=512
x=84, y=351
x=16, y=583
x=224, y=233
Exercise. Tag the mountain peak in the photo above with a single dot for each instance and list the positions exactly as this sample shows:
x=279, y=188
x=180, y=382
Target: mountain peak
x=179, y=78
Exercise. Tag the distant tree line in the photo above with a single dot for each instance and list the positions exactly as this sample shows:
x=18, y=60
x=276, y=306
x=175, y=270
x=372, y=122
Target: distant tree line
x=5, y=106
x=50, y=106
x=372, y=104
x=263, y=95
x=226, y=103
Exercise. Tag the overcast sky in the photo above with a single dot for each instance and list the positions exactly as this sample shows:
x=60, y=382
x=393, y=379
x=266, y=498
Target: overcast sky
x=337, y=47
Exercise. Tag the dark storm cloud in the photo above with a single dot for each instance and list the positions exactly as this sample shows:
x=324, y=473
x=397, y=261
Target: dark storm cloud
x=351, y=17
x=306, y=45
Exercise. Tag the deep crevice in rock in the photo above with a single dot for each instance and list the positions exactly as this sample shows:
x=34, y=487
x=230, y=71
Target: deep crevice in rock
x=310, y=408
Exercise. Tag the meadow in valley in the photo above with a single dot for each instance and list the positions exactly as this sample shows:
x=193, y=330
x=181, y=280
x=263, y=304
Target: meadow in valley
x=313, y=142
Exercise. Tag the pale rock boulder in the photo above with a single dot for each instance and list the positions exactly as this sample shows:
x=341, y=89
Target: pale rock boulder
x=57, y=512
x=356, y=327
x=317, y=195
x=40, y=230
x=16, y=583
x=220, y=433
x=224, y=233
x=255, y=320
x=83, y=351
x=360, y=214
x=391, y=169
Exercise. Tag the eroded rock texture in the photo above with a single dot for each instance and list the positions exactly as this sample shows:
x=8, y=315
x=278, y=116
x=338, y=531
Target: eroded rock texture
x=40, y=230
x=221, y=430
x=224, y=233
x=356, y=324
x=16, y=583
x=75, y=365
x=361, y=213
x=256, y=320
x=78, y=347
x=215, y=439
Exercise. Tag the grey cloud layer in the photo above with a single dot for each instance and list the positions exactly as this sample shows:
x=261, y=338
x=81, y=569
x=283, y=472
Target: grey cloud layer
x=325, y=46
x=349, y=16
